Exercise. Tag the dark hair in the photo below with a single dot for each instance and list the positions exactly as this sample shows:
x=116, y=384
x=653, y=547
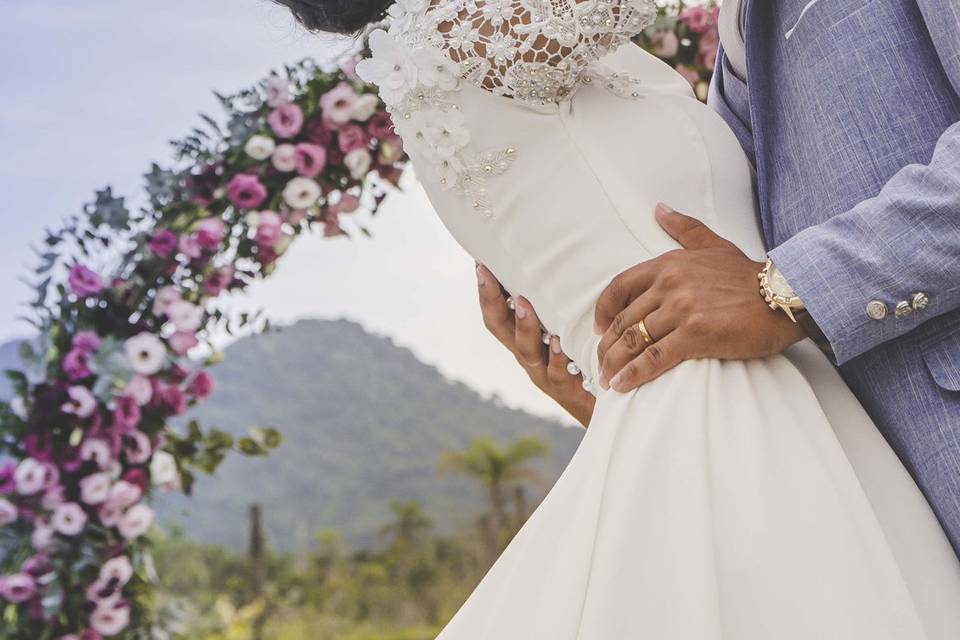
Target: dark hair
x=337, y=16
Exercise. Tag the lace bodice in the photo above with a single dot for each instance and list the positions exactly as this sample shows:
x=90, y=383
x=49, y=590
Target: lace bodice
x=536, y=52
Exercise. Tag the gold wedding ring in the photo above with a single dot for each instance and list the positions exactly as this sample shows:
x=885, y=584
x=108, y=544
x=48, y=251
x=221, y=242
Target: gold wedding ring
x=642, y=328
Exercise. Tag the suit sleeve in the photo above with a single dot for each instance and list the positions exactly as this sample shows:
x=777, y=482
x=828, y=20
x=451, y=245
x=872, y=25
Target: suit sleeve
x=903, y=242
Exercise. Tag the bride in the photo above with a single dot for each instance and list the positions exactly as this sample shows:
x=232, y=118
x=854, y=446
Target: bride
x=746, y=500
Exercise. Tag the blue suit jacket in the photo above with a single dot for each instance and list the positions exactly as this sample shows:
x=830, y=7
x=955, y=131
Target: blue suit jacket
x=853, y=122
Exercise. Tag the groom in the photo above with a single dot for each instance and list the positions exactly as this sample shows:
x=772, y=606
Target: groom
x=850, y=112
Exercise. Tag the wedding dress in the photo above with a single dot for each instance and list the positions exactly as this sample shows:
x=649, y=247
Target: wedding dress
x=740, y=500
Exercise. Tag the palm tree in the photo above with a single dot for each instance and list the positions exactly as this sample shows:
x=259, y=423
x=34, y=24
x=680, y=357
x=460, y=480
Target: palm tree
x=498, y=468
x=409, y=523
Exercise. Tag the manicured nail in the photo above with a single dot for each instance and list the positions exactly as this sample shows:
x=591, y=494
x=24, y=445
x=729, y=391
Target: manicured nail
x=664, y=210
x=604, y=383
x=615, y=383
x=555, y=345
x=481, y=280
x=521, y=308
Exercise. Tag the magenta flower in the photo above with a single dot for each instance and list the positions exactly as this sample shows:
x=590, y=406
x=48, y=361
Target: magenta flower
x=173, y=400
x=269, y=230
x=182, y=341
x=210, y=233
x=86, y=341
x=277, y=91
x=318, y=132
x=126, y=415
x=219, y=280
x=76, y=364
x=17, y=588
x=7, y=483
x=189, y=246
x=84, y=282
x=37, y=565
x=163, y=243
x=381, y=126
x=8, y=512
x=697, y=18
x=246, y=192
x=348, y=203
x=136, y=446
x=286, y=120
x=136, y=478
x=202, y=385
x=310, y=159
x=353, y=137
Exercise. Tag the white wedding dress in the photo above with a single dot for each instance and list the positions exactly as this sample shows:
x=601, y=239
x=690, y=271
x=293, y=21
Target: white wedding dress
x=738, y=500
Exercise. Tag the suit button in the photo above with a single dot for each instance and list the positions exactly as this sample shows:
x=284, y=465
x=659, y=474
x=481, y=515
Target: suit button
x=920, y=301
x=877, y=310
x=903, y=309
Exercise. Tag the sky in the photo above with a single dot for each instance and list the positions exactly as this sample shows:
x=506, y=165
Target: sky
x=91, y=93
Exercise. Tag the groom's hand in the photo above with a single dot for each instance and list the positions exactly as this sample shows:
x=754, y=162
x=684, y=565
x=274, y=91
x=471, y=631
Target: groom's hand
x=519, y=331
x=702, y=301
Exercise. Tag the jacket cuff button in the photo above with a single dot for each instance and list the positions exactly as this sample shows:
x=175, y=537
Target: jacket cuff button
x=877, y=310
x=903, y=309
x=920, y=301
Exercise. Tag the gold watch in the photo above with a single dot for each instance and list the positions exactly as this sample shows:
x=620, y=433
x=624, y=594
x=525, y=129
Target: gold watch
x=777, y=292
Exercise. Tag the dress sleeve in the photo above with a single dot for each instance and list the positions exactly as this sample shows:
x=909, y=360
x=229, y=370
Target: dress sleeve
x=537, y=49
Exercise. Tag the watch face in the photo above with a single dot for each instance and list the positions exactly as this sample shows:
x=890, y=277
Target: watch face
x=779, y=285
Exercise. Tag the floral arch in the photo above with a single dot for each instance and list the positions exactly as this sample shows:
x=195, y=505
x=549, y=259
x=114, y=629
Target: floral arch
x=122, y=297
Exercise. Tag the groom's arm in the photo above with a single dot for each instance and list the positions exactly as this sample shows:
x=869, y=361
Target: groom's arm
x=903, y=242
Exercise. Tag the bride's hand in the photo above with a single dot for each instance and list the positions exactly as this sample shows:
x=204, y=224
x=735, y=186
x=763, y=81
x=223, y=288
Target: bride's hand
x=519, y=331
x=702, y=301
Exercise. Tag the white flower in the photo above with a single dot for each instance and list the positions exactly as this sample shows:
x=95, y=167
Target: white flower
x=436, y=69
x=30, y=477
x=163, y=469
x=97, y=450
x=118, y=569
x=19, y=407
x=364, y=108
x=166, y=296
x=140, y=389
x=278, y=91
x=301, y=193
x=42, y=536
x=502, y=48
x=110, y=618
x=498, y=11
x=124, y=494
x=390, y=68
x=403, y=13
x=358, y=162
x=146, y=353
x=82, y=402
x=446, y=133
x=185, y=316
x=68, y=518
x=8, y=512
x=135, y=522
x=285, y=158
x=260, y=147
x=95, y=488
x=252, y=219
x=463, y=35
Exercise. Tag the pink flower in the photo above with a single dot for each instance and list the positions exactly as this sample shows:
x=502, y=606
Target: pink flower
x=185, y=316
x=110, y=618
x=697, y=18
x=352, y=137
x=84, y=282
x=52, y=497
x=135, y=522
x=124, y=494
x=8, y=512
x=381, y=126
x=86, y=341
x=146, y=352
x=68, y=519
x=310, y=159
x=136, y=445
x=164, y=243
x=102, y=591
x=284, y=158
x=349, y=68
x=166, y=296
x=220, y=280
x=30, y=477
x=338, y=103
x=277, y=90
x=140, y=389
x=96, y=450
x=182, y=341
x=82, y=402
x=210, y=233
x=286, y=120
x=246, y=192
x=95, y=488
x=37, y=565
x=189, y=246
x=76, y=364
x=7, y=471
x=126, y=415
x=137, y=477
x=17, y=588
x=319, y=132
x=42, y=536
x=202, y=385
x=348, y=203
x=269, y=229
x=117, y=570
x=666, y=44
x=173, y=400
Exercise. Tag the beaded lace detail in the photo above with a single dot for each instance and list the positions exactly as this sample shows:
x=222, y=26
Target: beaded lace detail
x=534, y=51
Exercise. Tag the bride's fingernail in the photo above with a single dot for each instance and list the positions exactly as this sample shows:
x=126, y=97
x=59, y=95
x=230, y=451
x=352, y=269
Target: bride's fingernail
x=481, y=280
x=615, y=383
x=604, y=384
x=664, y=210
x=555, y=345
x=521, y=308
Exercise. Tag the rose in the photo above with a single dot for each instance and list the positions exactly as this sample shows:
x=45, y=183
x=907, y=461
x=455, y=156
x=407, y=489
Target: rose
x=126, y=414
x=269, y=229
x=337, y=105
x=146, y=353
x=301, y=193
x=277, y=91
x=285, y=158
x=84, y=282
x=697, y=19
x=286, y=120
x=381, y=126
x=202, y=385
x=310, y=159
x=163, y=243
x=259, y=147
x=358, y=162
x=86, y=341
x=210, y=233
x=245, y=191
x=189, y=247
x=182, y=341
x=139, y=388
x=76, y=364
x=352, y=137
x=173, y=400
